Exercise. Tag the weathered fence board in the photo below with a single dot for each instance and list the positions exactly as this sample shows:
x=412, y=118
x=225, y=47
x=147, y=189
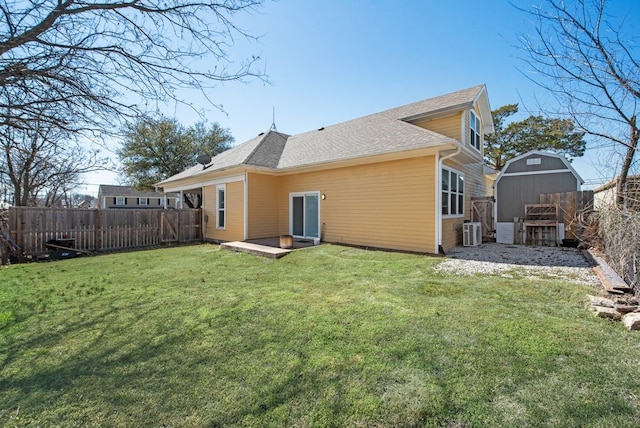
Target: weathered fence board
x=104, y=229
x=571, y=207
x=482, y=212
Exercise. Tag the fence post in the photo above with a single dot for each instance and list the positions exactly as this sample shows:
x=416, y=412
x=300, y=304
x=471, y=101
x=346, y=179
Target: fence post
x=18, y=238
x=97, y=239
x=178, y=226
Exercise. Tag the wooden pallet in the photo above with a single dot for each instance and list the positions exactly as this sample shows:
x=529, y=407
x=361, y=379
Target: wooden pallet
x=541, y=224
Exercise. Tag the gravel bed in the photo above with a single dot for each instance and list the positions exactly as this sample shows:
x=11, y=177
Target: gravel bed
x=511, y=260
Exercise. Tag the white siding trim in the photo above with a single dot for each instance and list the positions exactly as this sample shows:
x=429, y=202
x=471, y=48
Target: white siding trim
x=215, y=182
x=539, y=172
x=205, y=224
x=437, y=235
x=246, y=206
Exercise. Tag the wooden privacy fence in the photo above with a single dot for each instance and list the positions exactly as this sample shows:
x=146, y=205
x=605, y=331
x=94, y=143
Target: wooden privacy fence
x=102, y=229
x=571, y=208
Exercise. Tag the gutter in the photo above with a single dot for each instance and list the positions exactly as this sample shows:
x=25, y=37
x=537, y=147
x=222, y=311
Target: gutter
x=440, y=159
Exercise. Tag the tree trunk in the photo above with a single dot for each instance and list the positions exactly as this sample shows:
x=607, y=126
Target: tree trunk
x=621, y=185
x=187, y=201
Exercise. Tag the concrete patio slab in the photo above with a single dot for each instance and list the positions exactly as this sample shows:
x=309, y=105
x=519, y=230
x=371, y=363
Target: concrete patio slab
x=257, y=249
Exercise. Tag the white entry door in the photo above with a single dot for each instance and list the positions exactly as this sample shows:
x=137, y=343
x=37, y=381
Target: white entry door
x=304, y=214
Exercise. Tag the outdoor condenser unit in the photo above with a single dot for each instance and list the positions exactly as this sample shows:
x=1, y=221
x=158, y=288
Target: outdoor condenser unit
x=471, y=234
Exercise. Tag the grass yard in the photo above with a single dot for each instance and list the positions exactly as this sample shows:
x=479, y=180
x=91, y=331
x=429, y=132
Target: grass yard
x=325, y=337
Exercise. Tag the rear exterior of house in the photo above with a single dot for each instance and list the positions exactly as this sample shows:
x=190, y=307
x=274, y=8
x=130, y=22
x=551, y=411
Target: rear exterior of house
x=400, y=179
x=522, y=181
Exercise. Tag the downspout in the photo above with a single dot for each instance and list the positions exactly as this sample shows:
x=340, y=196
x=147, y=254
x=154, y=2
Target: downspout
x=440, y=158
x=246, y=205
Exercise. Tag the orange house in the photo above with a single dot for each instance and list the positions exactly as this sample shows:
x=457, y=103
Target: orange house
x=400, y=179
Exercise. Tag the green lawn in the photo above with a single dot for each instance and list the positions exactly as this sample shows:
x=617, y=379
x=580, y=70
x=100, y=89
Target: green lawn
x=329, y=336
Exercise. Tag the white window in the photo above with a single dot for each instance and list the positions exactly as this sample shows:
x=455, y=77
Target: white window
x=474, y=130
x=143, y=201
x=452, y=193
x=221, y=206
x=534, y=161
x=119, y=200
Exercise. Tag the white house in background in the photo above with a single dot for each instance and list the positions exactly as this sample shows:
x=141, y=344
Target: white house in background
x=605, y=195
x=126, y=197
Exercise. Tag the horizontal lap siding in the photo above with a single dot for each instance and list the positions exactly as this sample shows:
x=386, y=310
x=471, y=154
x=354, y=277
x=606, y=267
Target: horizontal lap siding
x=263, y=205
x=450, y=126
x=386, y=205
x=475, y=185
x=451, y=232
x=234, y=230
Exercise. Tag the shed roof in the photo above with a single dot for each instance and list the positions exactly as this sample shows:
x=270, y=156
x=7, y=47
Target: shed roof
x=563, y=159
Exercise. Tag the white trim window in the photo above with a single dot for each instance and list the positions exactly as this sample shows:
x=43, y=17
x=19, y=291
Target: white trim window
x=452, y=193
x=120, y=200
x=143, y=201
x=474, y=131
x=221, y=203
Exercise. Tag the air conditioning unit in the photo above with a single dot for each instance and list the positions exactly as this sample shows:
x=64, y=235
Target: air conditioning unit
x=471, y=234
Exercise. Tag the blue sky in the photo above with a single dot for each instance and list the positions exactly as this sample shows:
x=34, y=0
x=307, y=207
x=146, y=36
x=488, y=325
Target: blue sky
x=330, y=61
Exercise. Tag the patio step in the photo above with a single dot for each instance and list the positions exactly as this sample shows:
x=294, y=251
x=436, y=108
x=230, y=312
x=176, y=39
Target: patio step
x=258, y=250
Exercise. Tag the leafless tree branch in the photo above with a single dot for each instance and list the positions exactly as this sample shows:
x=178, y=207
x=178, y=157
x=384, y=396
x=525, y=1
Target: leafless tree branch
x=585, y=57
x=91, y=60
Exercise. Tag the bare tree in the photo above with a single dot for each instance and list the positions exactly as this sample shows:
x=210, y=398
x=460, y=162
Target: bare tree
x=587, y=58
x=79, y=65
x=42, y=164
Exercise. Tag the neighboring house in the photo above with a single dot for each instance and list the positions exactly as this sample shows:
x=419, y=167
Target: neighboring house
x=399, y=179
x=522, y=180
x=119, y=197
x=605, y=195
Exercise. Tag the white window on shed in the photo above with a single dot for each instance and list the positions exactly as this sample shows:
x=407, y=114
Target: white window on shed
x=534, y=161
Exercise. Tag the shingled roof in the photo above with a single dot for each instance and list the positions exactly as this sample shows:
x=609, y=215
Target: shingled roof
x=388, y=131
x=126, y=191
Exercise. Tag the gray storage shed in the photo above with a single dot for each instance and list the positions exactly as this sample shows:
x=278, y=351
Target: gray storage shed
x=522, y=180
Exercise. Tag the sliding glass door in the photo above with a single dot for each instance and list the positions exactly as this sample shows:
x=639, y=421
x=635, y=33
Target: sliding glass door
x=305, y=214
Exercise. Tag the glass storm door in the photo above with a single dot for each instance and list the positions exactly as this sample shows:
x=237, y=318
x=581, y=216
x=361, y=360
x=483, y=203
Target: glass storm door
x=305, y=215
